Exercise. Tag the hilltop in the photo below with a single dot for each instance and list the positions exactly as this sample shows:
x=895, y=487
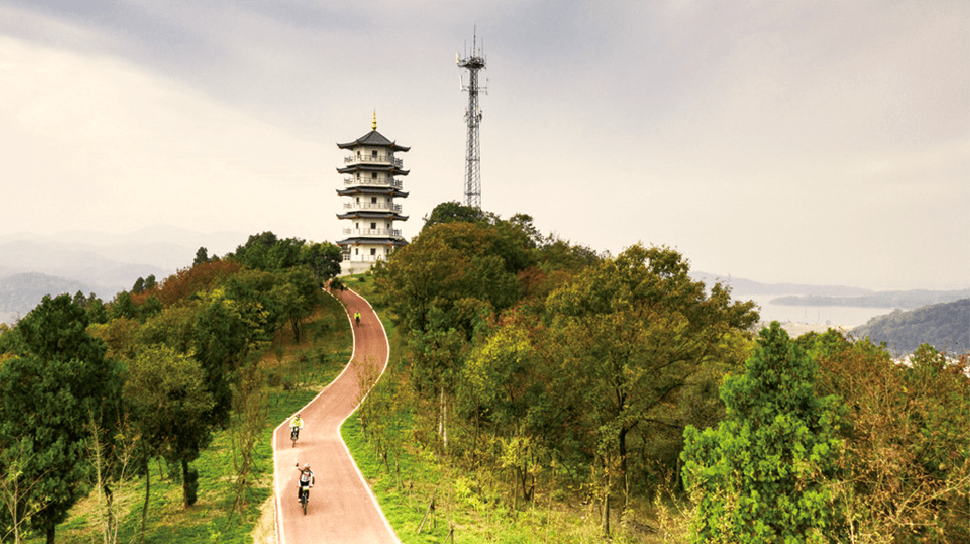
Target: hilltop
x=944, y=326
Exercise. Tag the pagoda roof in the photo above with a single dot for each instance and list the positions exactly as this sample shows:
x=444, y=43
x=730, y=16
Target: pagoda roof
x=371, y=190
x=372, y=215
x=370, y=167
x=373, y=241
x=375, y=139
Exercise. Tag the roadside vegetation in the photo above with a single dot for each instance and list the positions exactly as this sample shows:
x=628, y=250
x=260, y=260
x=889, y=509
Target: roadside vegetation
x=541, y=392
x=537, y=391
x=148, y=419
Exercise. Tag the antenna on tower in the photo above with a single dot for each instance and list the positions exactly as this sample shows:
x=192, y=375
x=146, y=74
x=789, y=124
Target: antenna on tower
x=473, y=117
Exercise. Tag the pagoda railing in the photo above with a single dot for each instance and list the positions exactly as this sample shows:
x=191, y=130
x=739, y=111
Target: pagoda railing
x=379, y=159
x=384, y=182
x=373, y=232
x=383, y=206
x=362, y=258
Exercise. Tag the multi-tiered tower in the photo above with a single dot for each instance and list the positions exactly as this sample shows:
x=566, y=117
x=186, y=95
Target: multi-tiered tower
x=370, y=190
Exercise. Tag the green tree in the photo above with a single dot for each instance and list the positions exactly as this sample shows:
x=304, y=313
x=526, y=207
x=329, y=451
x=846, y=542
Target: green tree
x=48, y=393
x=764, y=474
x=226, y=330
x=322, y=260
x=201, y=256
x=171, y=406
x=453, y=212
x=630, y=335
x=123, y=306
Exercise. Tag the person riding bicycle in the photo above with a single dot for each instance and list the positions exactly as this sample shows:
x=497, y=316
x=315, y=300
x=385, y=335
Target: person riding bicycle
x=357, y=318
x=306, y=478
x=296, y=424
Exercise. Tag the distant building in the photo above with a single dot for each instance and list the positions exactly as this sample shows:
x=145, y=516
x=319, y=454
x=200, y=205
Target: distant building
x=371, y=185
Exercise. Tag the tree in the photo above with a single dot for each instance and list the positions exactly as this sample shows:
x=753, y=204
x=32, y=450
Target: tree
x=201, y=256
x=48, y=392
x=225, y=331
x=453, y=212
x=905, y=471
x=171, y=406
x=322, y=260
x=764, y=474
x=630, y=335
x=123, y=306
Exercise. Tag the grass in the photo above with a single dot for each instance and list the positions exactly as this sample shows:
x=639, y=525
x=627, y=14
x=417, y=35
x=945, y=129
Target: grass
x=294, y=375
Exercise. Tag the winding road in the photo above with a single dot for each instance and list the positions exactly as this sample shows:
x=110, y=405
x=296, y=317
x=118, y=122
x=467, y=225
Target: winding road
x=342, y=508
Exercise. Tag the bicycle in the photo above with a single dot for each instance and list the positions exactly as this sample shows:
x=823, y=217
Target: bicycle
x=304, y=496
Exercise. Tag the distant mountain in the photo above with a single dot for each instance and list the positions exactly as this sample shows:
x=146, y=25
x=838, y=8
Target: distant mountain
x=944, y=326
x=96, y=262
x=21, y=293
x=742, y=286
x=906, y=300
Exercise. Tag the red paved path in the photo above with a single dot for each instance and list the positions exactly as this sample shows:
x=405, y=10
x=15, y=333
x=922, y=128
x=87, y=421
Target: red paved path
x=342, y=508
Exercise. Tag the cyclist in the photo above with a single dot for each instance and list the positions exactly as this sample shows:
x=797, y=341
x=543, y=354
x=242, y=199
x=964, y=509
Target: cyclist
x=296, y=424
x=357, y=318
x=306, y=478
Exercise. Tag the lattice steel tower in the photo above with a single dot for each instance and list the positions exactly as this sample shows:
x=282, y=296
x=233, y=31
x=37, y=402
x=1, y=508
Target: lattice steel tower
x=473, y=117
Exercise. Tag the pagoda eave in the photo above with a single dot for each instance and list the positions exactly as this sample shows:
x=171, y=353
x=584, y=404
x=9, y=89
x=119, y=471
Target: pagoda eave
x=365, y=190
x=373, y=215
x=364, y=167
x=375, y=139
x=373, y=241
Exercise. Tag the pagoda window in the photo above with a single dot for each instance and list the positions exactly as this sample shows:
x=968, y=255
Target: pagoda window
x=373, y=251
x=373, y=153
x=373, y=175
x=373, y=200
x=373, y=226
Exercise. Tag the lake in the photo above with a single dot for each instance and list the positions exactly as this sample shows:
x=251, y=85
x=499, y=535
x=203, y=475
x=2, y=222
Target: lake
x=834, y=316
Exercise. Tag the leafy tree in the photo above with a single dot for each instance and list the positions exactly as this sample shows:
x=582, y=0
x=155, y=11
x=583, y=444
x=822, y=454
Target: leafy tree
x=905, y=470
x=453, y=212
x=150, y=282
x=322, y=260
x=56, y=384
x=631, y=334
x=201, y=256
x=226, y=330
x=763, y=475
x=186, y=282
x=123, y=306
x=171, y=406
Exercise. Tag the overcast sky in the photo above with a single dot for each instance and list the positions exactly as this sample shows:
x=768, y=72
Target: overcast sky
x=811, y=142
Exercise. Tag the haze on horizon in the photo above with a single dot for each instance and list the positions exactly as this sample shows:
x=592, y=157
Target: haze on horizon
x=802, y=142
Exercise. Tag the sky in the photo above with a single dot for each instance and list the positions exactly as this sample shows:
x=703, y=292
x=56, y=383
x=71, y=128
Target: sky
x=806, y=142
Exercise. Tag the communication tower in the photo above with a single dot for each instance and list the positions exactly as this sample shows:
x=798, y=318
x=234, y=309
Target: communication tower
x=473, y=117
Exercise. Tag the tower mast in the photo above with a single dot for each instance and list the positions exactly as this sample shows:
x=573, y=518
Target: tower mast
x=473, y=117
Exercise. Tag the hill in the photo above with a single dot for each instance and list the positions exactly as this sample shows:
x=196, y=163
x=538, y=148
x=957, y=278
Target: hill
x=944, y=326
x=905, y=300
x=744, y=286
x=21, y=293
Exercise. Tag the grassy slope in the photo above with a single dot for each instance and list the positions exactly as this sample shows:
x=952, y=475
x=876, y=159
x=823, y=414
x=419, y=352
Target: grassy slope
x=295, y=374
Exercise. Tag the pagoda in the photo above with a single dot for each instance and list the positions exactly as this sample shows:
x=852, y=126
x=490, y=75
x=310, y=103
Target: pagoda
x=369, y=189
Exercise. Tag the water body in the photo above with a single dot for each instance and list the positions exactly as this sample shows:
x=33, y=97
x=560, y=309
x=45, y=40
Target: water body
x=834, y=316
